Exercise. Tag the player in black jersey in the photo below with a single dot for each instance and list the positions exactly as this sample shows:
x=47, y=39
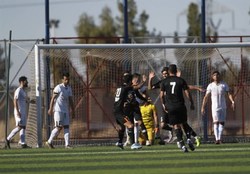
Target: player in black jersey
x=122, y=119
x=126, y=109
x=173, y=102
x=153, y=83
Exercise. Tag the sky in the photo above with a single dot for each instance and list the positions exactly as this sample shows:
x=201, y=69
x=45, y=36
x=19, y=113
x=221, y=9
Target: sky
x=26, y=18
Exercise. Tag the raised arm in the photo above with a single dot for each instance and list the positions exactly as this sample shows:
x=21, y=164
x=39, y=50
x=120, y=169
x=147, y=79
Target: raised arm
x=150, y=77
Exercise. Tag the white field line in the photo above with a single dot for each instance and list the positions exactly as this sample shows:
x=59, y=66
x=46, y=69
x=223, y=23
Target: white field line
x=71, y=152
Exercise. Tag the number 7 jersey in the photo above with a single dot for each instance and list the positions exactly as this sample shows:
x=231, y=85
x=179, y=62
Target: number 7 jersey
x=173, y=88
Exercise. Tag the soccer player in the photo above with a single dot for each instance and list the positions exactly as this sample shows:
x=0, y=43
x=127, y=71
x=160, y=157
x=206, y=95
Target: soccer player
x=164, y=122
x=164, y=116
x=150, y=120
x=20, y=112
x=133, y=108
x=123, y=118
x=218, y=89
x=59, y=107
x=173, y=102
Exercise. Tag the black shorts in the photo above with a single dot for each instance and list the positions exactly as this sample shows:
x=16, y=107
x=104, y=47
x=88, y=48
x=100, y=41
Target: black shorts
x=133, y=112
x=164, y=117
x=121, y=118
x=177, y=115
x=137, y=113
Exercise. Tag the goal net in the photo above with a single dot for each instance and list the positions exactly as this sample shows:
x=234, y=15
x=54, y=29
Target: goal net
x=96, y=70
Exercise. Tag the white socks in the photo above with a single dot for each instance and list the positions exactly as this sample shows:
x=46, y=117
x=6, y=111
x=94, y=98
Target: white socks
x=136, y=132
x=13, y=133
x=54, y=133
x=218, y=129
x=22, y=136
x=66, y=136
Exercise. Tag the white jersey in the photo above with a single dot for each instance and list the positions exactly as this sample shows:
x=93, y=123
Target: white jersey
x=62, y=100
x=218, y=92
x=21, y=97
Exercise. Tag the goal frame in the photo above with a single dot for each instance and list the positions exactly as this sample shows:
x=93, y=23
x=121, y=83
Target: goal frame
x=38, y=58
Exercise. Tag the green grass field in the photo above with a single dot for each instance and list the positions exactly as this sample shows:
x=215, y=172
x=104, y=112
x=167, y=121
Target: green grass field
x=208, y=158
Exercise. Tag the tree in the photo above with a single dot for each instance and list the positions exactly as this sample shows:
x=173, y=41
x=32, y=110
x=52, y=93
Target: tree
x=2, y=65
x=112, y=27
x=86, y=27
x=107, y=27
x=194, y=21
x=136, y=28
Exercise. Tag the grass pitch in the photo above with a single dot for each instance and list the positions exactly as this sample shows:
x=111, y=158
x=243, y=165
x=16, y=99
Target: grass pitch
x=208, y=158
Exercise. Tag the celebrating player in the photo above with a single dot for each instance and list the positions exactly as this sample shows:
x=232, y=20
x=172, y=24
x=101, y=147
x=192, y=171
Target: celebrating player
x=173, y=102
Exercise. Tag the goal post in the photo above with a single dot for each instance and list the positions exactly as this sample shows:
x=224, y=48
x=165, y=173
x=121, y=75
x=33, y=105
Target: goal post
x=96, y=70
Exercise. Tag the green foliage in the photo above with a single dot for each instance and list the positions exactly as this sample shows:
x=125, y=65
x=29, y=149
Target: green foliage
x=194, y=21
x=2, y=64
x=112, y=27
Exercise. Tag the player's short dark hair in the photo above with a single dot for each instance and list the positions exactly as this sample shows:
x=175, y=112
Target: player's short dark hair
x=216, y=72
x=164, y=69
x=172, y=68
x=126, y=73
x=127, y=78
x=65, y=74
x=136, y=75
x=22, y=79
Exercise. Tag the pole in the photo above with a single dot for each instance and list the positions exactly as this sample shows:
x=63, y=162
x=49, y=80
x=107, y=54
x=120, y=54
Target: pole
x=7, y=86
x=47, y=40
x=204, y=65
x=125, y=14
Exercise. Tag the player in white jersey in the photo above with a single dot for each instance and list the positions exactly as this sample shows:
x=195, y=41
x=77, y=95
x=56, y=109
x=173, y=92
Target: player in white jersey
x=217, y=90
x=59, y=107
x=20, y=112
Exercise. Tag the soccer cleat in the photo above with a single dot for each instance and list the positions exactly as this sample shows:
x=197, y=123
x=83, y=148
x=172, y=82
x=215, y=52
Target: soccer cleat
x=198, y=141
x=190, y=144
x=184, y=149
x=148, y=143
x=68, y=147
x=120, y=145
x=136, y=146
x=49, y=145
x=25, y=146
x=161, y=142
x=7, y=144
x=217, y=142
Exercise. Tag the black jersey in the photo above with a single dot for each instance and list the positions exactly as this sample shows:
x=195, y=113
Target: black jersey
x=121, y=97
x=173, y=87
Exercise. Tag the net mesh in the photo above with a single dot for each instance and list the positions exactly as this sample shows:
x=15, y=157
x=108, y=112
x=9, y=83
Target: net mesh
x=96, y=72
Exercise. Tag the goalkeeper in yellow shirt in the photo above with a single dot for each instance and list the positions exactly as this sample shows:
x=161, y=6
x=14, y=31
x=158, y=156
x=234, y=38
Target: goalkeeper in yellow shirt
x=150, y=120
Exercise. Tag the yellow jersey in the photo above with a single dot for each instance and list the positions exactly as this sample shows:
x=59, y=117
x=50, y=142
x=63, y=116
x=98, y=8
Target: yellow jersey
x=147, y=112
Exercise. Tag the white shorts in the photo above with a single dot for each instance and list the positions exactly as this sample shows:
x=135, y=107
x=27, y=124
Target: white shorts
x=20, y=121
x=61, y=119
x=219, y=115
